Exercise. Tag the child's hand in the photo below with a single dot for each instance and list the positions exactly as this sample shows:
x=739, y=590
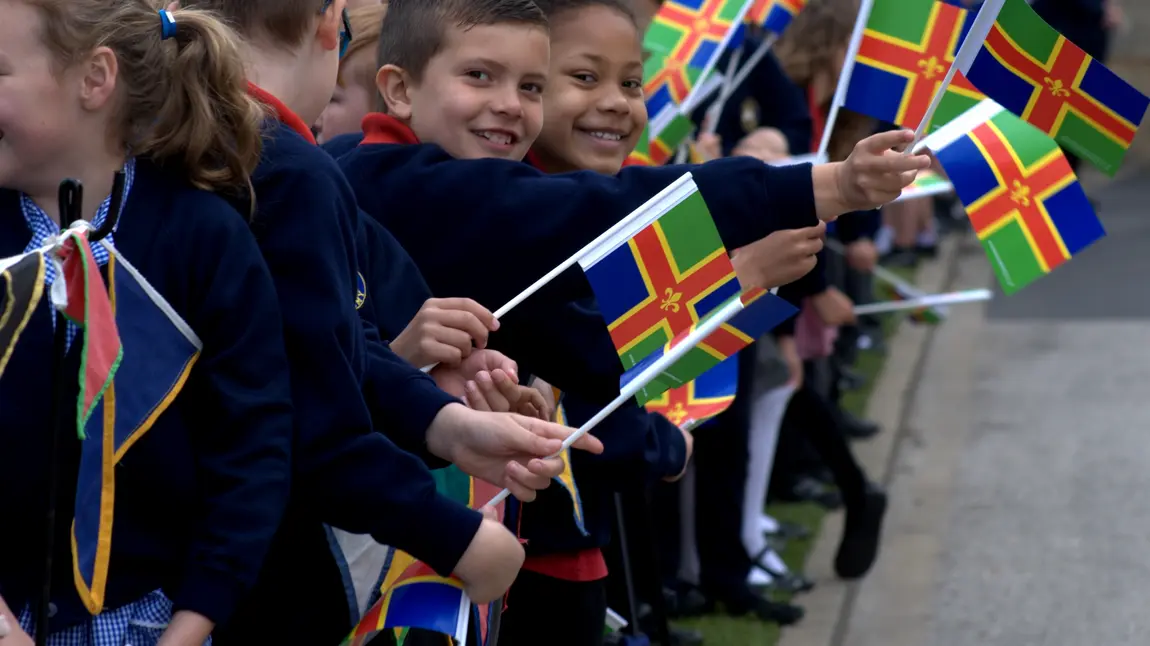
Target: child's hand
x=12, y=634
x=780, y=258
x=443, y=331
x=497, y=392
x=453, y=380
x=834, y=307
x=709, y=146
x=548, y=392
x=873, y=175
x=862, y=255
x=504, y=449
x=690, y=441
x=491, y=561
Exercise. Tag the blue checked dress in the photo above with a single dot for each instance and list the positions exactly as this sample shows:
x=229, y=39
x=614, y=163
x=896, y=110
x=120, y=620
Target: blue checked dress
x=44, y=229
x=140, y=623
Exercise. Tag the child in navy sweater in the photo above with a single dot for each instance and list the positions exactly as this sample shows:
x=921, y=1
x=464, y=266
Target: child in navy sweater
x=393, y=182
x=347, y=475
x=87, y=88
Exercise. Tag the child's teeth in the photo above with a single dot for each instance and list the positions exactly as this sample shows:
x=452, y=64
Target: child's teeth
x=609, y=136
x=497, y=138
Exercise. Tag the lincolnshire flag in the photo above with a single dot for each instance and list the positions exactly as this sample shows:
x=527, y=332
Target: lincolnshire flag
x=1036, y=73
x=158, y=352
x=661, y=276
x=703, y=398
x=658, y=150
x=566, y=478
x=757, y=312
x=692, y=34
x=774, y=15
x=23, y=278
x=905, y=52
x=667, y=83
x=413, y=595
x=1023, y=200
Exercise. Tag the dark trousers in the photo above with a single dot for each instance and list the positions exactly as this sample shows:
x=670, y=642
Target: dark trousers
x=812, y=414
x=544, y=610
x=721, y=456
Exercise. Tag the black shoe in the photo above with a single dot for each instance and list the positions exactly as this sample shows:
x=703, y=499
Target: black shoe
x=685, y=637
x=849, y=379
x=855, y=428
x=900, y=257
x=783, y=614
x=787, y=582
x=862, y=530
x=684, y=600
x=807, y=489
x=927, y=250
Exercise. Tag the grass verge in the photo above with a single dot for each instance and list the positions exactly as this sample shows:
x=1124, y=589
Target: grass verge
x=722, y=630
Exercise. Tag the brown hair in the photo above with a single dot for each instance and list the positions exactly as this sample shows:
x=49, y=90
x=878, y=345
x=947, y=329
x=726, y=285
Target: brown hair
x=554, y=9
x=182, y=99
x=283, y=22
x=366, y=23
x=819, y=33
x=414, y=30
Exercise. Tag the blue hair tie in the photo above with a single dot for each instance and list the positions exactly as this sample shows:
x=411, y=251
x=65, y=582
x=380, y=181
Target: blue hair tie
x=167, y=24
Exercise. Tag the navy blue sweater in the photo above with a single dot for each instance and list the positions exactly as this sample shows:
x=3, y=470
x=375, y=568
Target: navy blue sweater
x=346, y=474
x=199, y=497
x=497, y=209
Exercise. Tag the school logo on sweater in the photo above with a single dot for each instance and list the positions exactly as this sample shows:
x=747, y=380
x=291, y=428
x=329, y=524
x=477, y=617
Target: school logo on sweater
x=750, y=115
x=360, y=290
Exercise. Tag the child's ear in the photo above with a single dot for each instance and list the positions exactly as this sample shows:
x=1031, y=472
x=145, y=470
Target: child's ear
x=394, y=86
x=98, y=83
x=327, y=31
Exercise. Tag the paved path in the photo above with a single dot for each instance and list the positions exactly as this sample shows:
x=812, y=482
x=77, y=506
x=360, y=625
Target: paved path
x=1020, y=469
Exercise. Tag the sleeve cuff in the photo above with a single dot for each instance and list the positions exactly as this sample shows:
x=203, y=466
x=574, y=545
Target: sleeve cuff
x=425, y=400
x=439, y=535
x=791, y=195
x=212, y=594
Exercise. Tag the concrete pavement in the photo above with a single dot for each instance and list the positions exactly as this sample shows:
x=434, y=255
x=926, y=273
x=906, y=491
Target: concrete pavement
x=1018, y=449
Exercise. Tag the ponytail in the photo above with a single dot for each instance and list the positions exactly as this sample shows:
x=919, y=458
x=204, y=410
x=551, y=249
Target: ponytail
x=183, y=95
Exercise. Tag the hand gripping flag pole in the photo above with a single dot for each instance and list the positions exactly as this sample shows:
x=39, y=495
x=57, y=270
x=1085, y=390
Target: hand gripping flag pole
x=70, y=196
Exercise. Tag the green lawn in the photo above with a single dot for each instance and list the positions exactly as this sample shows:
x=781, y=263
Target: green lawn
x=722, y=630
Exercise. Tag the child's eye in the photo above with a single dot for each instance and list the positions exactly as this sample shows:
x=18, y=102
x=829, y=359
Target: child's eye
x=584, y=77
x=633, y=84
x=479, y=75
x=533, y=88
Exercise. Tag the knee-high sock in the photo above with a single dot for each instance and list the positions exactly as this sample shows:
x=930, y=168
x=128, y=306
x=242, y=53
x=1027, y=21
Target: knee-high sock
x=766, y=417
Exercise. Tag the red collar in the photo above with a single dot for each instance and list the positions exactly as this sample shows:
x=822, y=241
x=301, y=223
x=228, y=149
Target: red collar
x=532, y=160
x=379, y=128
x=818, y=119
x=282, y=112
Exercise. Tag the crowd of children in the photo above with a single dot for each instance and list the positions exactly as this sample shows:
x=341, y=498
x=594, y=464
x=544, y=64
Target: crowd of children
x=334, y=195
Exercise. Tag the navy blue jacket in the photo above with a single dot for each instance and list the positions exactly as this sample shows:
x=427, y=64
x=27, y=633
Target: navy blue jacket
x=199, y=497
x=497, y=210
x=346, y=474
x=341, y=145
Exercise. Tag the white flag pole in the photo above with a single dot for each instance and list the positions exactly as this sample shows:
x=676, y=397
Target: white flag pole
x=624, y=227
x=647, y=376
x=931, y=300
x=963, y=59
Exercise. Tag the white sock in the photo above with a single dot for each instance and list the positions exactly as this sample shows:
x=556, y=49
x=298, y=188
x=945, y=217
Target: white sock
x=768, y=525
x=766, y=417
